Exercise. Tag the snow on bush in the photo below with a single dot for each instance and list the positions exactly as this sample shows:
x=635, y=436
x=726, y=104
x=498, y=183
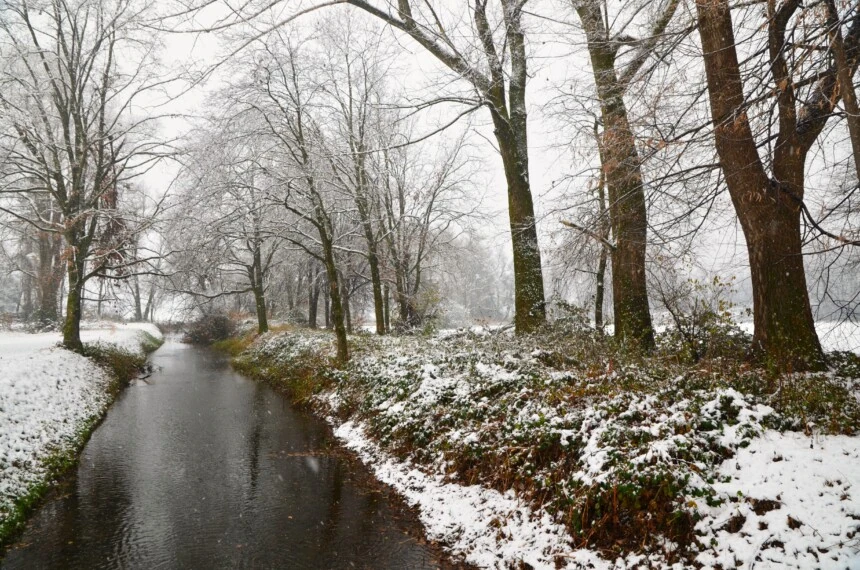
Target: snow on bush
x=588, y=451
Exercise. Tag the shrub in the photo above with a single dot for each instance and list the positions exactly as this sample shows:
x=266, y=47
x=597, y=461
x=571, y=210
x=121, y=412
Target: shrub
x=209, y=328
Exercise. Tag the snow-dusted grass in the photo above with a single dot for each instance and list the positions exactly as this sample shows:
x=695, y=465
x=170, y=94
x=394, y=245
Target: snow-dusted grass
x=50, y=398
x=560, y=451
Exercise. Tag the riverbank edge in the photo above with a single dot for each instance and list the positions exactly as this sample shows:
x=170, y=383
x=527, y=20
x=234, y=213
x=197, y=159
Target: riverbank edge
x=300, y=364
x=122, y=366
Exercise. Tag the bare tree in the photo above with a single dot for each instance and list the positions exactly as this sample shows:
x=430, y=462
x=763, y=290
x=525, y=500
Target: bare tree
x=765, y=174
x=619, y=157
x=484, y=44
x=72, y=137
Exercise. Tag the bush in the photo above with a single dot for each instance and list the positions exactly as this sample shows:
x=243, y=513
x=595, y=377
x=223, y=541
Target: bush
x=209, y=329
x=702, y=322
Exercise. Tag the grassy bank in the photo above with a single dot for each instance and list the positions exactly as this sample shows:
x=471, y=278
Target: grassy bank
x=628, y=453
x=120, y=367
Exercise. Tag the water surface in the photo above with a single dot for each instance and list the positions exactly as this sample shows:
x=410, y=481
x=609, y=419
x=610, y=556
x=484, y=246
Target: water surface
x=198, y=467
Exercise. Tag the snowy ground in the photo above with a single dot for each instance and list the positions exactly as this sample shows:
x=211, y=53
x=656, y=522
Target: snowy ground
x=791, y=501
x=47, y=394
x=787, y=499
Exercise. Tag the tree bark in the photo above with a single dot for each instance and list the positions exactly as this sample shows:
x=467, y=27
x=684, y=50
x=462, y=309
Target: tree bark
x=387, y=313
x=258, y=287
x=49, y=275
x=623, y=175
x=313, y=297
x=768, y=209
x=72, y=324
x=337, y=311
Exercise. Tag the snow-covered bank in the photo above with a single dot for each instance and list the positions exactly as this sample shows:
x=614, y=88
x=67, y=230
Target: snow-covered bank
x=49, y=398
x=558, y=453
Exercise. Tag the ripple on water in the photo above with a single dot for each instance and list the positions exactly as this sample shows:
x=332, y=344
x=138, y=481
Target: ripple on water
x=200, y=468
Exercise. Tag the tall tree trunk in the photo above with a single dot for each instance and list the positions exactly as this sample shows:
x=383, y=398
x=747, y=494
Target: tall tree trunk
x=400, y=293
x=623, y=174
x=599, y=292
x=100, y=297
x=74, y=308
x=49, y=277
x=327, y=306
x=313, y=297
x=138, y=302
x=769, y=211
x=259, y=292
x=150, y=303
x=337, y=311
x=529, y=302
x=376, y=281
x=602, y=256
x=25, y=301
x=347, y=311
x=387, y=313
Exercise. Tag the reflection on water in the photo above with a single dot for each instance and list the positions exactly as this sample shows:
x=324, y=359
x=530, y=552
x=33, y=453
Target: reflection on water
x=202, y=468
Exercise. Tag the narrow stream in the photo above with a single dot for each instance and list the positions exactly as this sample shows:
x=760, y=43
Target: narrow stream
x=199, y=467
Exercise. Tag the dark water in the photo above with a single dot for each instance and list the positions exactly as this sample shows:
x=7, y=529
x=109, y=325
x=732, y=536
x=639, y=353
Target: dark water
x=202, y=468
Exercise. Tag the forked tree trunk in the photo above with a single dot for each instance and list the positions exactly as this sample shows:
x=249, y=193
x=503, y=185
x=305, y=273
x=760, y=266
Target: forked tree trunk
x=769, y=211
x=784, y=325
x=508, y=111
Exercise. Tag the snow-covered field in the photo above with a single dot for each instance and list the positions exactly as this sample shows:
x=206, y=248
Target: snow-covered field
x=47, y=395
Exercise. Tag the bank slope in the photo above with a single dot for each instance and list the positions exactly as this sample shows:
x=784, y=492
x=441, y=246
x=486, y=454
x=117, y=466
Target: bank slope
x=51, y=399
x=556, y=452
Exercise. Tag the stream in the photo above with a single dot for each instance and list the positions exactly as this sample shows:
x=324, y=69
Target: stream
x=199, y=467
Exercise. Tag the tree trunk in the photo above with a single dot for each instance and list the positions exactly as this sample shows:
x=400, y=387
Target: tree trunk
x=387, y=313
x=313, y=297
x=259, y=292
x=327, y=307
x=337, y=311
x=623, y=174
x=376, y=281
x=400, y=293
x=784, y=327
x=72, y=325
x=598, y=294
x=769, y=211
x=347, y=311
x=150, y=303
x=529, y=302
x=49, y=277
x=138, y=302
x=100, y=297
x=25, y=300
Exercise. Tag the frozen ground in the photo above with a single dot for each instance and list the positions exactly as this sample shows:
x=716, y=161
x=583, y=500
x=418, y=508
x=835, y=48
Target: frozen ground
x=790, y=501
x=787, y=499
x=47, y=395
